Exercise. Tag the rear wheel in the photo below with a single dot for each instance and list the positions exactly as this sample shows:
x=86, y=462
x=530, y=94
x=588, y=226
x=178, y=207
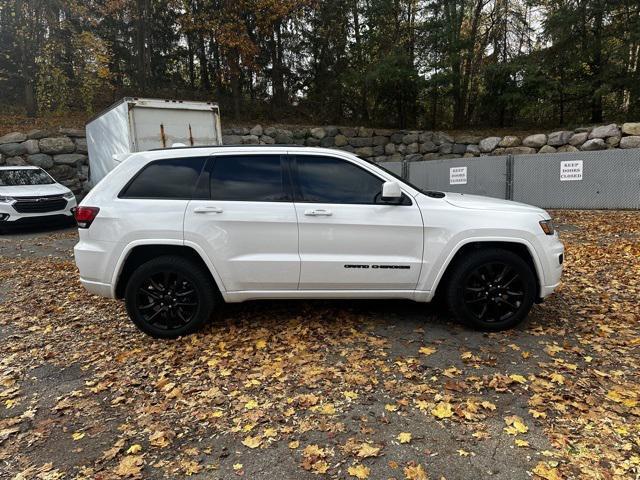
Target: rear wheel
x=169, y=296
x=491, y=289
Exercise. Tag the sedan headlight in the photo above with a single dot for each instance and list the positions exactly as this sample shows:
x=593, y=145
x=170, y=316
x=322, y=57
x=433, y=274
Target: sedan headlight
x=6, y=199
x=69, y=195
x=547, y=226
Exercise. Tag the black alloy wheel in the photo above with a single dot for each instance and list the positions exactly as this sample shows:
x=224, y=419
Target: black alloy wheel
x=493, y=292
x=491, y=289
x=167, y=300
x=170, y=296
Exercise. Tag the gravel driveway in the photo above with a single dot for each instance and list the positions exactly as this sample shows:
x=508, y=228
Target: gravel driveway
x=366, y=389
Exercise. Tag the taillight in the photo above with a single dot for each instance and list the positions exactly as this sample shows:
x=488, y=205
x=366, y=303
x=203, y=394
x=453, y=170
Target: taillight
x=85, y=216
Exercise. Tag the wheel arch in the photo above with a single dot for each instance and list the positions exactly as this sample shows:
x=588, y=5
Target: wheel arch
x=139, y=253
x=517, y=246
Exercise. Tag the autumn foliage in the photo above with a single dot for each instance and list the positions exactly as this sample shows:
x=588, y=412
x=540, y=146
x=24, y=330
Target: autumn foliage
x=331, y=389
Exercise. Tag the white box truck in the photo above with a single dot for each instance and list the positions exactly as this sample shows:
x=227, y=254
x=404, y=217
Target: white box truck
x=139, y=124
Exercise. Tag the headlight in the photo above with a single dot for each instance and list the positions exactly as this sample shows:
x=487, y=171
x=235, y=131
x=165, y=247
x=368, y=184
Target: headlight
x=6, y=199
x=547, y=226
x=69, y=195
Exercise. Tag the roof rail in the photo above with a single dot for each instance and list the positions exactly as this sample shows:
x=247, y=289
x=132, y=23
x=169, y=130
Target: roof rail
x=231, y=145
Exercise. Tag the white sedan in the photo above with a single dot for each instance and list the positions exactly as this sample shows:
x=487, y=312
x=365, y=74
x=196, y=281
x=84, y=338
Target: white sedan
x=29, y=195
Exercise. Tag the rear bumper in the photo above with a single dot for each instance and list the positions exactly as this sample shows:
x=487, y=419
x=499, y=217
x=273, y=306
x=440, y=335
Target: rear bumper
x=96, y=261
x=97, y=288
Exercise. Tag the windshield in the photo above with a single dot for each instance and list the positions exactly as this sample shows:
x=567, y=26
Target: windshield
x=429, y=193
x=12, y=178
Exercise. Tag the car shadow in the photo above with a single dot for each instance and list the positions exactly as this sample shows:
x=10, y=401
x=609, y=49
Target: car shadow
x=380, y=311
x=34, y=229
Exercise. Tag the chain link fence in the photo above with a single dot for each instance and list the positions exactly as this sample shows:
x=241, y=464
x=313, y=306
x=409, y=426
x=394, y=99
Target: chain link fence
x=608, y=179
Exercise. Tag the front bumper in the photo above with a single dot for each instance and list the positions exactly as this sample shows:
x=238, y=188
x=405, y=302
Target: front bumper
x=10, y=216
x=553, y=259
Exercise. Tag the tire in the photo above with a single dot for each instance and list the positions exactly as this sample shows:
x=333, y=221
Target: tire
x=491, y=289
x=170, y=296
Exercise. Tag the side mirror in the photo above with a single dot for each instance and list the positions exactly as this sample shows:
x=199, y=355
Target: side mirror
x=391, y=192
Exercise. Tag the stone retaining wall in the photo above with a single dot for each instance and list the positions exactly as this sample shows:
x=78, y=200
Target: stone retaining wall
x=414, y=145
x=63, y=152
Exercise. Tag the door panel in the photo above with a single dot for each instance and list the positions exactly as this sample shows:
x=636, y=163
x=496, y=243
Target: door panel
x=253, y=245
x=360, y=247
x=347, y=240
x=248, y=225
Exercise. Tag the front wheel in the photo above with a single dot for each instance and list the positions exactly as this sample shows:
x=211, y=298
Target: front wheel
x=491, y=289
x=169, y=296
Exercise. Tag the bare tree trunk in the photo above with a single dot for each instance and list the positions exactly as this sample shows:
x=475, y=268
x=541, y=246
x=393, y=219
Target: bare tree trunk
x=468, y=70
x=596, y=94
x=27, y=54
x=142, y=43
x=205, y=81
x=277, y=74
x=236, y=87
x=191, y=55
x=364, y=114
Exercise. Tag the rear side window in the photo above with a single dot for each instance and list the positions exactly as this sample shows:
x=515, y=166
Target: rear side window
x=173, y=178
x=332, y=180
x=249, y=178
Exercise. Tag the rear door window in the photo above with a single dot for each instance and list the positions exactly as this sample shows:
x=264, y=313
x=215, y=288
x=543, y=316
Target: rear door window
x=249, y=178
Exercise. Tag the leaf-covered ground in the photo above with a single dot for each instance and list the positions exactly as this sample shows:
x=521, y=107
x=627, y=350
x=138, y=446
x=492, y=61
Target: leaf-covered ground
x=361, y=390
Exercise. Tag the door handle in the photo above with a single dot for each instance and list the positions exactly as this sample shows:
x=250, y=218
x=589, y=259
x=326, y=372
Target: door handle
x=207, y=210
x=318, y=212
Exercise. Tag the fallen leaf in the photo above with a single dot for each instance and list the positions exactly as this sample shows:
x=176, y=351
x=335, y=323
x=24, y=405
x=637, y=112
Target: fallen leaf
x=129, y=466
x=515, y=425
x=190, y=467
x=366, y=450
x=517, y=378
x=442, y=410
x=252, y=442
x=328, y=409
x=359, y=471
x=404, y=437
x=133, y=449
x=557, y=378
x=543, y=470
x=427, y=350
x=159, y=439
x=350, y=395
x=415, y=472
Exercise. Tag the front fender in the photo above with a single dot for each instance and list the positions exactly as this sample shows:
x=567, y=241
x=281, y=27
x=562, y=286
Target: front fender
x=436, y=265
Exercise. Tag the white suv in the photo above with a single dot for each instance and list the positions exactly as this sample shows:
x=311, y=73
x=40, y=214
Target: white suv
x=29, y=195
x=174, y=232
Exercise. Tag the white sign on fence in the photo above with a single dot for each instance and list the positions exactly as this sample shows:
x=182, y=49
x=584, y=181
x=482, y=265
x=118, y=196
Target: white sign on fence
x=458, y=176
x=570, y=170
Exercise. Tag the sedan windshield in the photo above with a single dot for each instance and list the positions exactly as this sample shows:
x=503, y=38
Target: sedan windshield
x=11, y=178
